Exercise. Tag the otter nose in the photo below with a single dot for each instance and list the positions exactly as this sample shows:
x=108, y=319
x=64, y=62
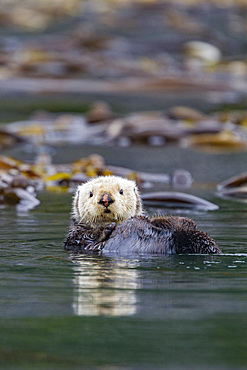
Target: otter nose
x=106, y=200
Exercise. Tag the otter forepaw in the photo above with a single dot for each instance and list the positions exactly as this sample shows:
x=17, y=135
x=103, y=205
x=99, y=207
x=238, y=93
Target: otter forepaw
x=109, y=229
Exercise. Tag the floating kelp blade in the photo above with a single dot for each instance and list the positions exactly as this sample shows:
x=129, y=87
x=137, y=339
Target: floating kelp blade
x=238, y=193
x=8, y=139
x=177, y=200
x=234, y=182
x=234, y=193
x=220, y=142
x=23, y=199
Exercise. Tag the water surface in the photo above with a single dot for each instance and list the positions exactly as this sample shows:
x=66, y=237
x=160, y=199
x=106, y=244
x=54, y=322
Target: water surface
x=60, y=309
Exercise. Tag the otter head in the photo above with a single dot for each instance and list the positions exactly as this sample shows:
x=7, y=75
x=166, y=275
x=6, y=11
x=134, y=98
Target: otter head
x=106, y=199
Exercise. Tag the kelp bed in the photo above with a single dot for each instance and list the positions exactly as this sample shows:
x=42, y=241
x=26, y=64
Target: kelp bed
x=95, y=63
x=181, y=126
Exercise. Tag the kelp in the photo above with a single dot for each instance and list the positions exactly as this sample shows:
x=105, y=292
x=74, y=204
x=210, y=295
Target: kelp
x=19, y=186
x=8, y=139
x=171, y=199
x=106, y=49
x=234, y=187
x=100, y=126
x=16, y=189
x=20, y=181
x=220, y=142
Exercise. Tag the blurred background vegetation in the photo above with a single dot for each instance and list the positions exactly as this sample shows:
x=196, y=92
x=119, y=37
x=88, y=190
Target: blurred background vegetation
x=114, y=73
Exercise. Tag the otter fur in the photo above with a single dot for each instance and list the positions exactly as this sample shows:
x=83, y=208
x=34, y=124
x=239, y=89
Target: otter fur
x=108, y=217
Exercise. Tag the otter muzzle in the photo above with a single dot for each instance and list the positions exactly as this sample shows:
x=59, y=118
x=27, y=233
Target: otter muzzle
x=106, y=200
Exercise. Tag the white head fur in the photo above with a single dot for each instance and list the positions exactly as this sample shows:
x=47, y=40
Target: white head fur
x=123, y=195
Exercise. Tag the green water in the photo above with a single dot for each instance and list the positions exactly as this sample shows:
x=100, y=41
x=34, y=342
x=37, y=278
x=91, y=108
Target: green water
x=62, y=310
x=70, y=311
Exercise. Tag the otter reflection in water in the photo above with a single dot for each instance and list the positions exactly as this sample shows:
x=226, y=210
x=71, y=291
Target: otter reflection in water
x=108, y=217
x=105, y=286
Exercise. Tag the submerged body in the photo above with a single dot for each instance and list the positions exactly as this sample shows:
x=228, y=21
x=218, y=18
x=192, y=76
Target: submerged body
x=104, y=227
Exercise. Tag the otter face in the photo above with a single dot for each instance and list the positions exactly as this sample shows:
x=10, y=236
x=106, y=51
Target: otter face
x=106, y=199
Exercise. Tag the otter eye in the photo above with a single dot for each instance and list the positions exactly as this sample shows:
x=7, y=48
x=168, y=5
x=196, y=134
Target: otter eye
x=121, y=192
x=90, y=194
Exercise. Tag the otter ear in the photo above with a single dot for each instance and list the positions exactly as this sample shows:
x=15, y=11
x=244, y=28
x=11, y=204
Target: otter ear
x=76, y=212
x=139, y=209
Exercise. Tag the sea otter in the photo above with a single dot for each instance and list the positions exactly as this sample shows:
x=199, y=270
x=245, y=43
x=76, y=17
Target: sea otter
x=108, y=216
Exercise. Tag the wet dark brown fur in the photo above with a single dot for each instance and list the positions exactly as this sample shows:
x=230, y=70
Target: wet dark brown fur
x=142, y=235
